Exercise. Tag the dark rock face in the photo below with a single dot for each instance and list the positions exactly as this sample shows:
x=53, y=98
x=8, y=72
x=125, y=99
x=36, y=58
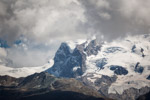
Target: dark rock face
x=142, y=51
x=119, y=70
x=65, y=61
x=92, y=48
x=133, y=48
x=45, y=86
x=62, y=53
x=138, y=68
x=137, y=64
x=144, y=97
x=148, y=77
x=80, y=57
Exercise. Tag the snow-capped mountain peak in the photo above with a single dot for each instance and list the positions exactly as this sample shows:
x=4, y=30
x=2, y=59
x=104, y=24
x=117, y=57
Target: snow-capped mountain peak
x=74, y=58
x=123, y=63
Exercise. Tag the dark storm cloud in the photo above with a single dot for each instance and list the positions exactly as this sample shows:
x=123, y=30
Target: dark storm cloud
x=117, y=18
x=6, y=31
x=43, y=20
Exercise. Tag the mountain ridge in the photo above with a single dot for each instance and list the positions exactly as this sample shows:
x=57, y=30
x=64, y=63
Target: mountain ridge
x=43, y=85
x=124, y=64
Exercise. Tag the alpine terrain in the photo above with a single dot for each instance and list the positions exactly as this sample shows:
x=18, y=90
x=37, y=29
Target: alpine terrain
x=119, y=69
x=43, y=86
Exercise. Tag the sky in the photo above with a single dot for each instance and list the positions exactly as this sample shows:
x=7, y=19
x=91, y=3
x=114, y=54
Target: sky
x=34, y=29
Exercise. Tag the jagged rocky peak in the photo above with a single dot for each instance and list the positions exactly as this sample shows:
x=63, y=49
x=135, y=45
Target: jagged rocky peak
x=92, y=48
x=69, y=60
x=62, y=53
x=115, y=69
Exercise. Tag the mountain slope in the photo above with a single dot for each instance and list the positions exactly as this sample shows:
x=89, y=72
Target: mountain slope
x=71, y=63
x=45, y=86
x=116, y=69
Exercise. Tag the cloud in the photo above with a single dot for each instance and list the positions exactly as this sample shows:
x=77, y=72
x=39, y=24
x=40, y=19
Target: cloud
x=72, y=19
x=41, y=19
x=44, y=24
x=3, y=53
x=117, y=18
x=28, y=54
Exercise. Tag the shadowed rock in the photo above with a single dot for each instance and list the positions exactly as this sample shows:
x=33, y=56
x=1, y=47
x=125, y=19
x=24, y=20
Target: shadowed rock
x=47, y=87
x=119, y=70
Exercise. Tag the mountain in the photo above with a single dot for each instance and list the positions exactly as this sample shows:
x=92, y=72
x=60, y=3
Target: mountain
x=42, y=85
x=69, y=62
x=119, y=69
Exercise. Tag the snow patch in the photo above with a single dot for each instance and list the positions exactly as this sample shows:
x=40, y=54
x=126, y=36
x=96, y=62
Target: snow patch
x=73, y=44
x=24, y=71
x=76, y=68
x=119, y=52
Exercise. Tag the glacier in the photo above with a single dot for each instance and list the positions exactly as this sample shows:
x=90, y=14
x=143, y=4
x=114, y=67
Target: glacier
x=124, y=63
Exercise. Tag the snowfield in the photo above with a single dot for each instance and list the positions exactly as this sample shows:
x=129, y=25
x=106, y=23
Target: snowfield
x=24, y=71
x=121, y=53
